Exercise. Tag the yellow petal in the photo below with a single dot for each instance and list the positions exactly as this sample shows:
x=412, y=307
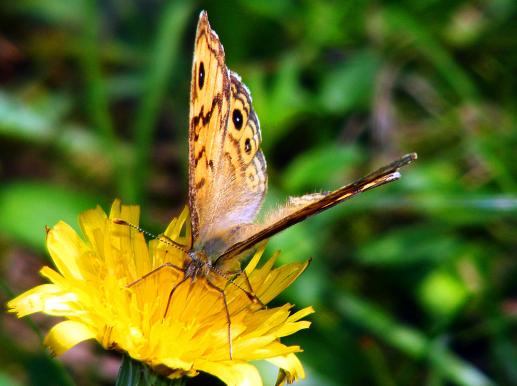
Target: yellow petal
x=33, y=300
x=279, y=279
x=231, y=372
x=66, y=335
x=256, y=258
x=301, y=314
x=176, y=363
x=53, y=276
x=66, y=249
x=173, y=231
x=293, y=369
x=91, y=221
x=129, y=213
x=293, y=324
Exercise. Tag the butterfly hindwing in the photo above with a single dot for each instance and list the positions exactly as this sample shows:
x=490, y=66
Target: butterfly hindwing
x=244, y=178
x=299, y=208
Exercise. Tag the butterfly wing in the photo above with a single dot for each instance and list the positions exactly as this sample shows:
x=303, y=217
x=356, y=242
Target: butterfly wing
x=299, y=208
x=227, y=170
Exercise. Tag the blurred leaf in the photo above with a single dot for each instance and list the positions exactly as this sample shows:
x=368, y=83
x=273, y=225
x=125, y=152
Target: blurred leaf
x=52, y=11
x=351, y=85
x=38, y=367
x=38, y=119
x=322, y=25
x=381, y=371
x=35, y=118
x=163, y=61
x=6, y=380
x=270, y=8
x=464, y=209
x=97, y=103
x=320, y=168
x=409, y=340
x=27, y=207
x=400, y=22
x=309, y=288
x=442, y=294
x=506, y=353
x=295, y=244
x=431, y=243
x=279, y=104
x=467, y=26
x=432, y=176
x=46, y=371
x=126, y=85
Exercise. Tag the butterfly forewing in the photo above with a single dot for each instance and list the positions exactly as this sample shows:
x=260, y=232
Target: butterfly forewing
x=209, y=100
x=227, y=171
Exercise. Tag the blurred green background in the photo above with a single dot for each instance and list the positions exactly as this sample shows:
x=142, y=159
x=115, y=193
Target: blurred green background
x=414, y=283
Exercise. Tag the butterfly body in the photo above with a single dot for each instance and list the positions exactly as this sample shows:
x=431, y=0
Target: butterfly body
x=198, y=265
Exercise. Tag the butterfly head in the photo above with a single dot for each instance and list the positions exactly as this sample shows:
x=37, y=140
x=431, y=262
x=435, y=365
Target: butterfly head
x=199, y=264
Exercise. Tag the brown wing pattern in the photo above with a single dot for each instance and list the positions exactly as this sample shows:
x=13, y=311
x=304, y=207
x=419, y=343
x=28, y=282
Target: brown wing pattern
x=244, y=178
x=227, y=171
x=209, y=101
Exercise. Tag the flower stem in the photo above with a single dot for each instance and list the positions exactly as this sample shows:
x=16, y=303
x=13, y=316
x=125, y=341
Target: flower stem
x=134, y=373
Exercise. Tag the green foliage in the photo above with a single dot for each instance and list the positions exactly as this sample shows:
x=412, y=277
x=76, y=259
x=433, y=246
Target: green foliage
x=27, y=207
x=413, y=283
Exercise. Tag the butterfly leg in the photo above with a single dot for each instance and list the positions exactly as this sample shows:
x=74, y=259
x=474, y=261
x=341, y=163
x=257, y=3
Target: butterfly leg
x=172, y=293
x=154, y=271
x=250, y=293
x=228, y=319
x=254, y=298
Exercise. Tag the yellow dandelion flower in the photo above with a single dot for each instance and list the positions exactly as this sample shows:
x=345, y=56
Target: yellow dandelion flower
x=96, y=288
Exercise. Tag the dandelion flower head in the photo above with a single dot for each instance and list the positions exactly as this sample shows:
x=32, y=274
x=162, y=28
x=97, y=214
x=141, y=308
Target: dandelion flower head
x=90, y=289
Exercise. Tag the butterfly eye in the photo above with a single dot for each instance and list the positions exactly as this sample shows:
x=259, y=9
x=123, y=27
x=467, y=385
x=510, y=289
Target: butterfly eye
x=237, y=119
x=247, y=146
x=201, y=76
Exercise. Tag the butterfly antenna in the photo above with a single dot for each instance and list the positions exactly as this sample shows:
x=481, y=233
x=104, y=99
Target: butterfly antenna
x=162, y=238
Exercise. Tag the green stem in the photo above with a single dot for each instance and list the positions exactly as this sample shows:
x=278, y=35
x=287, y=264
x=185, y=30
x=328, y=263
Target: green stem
x=134, y=373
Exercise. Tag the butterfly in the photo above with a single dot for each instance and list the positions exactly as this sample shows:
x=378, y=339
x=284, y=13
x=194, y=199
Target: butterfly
x=228, y=178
